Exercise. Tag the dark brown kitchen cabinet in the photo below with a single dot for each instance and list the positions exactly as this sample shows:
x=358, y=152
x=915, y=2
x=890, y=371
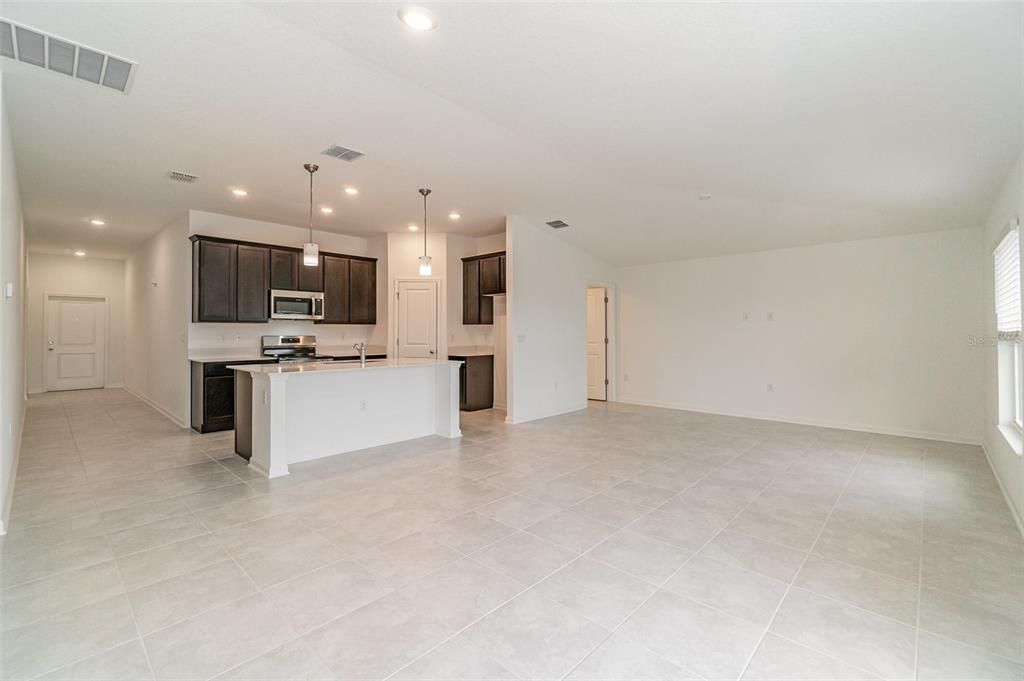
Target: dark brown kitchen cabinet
x=213, y=281
x=284, y=270
x=336, y=289
x=483, y=277
x=476, y=381
x=490, y=276
x=311, y=278
x=362, y=291
x=213, y=395
x=253, y=284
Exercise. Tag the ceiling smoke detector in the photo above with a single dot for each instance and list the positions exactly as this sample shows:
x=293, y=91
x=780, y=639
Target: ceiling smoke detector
x=179, y=176
x=32, y=46
x=558, y=224
x=343, y=153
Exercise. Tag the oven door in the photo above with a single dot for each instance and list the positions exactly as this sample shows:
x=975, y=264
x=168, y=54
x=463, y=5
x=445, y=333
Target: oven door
x=296, y=305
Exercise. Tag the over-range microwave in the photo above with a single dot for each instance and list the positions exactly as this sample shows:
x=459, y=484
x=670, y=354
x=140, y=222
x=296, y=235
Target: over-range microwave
x=296, y=305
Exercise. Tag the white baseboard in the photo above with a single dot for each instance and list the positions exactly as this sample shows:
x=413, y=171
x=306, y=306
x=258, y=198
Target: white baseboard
x=159, y=407
x=5, y=512
x=545, y=416
x=1002, y=488
x=920, y=434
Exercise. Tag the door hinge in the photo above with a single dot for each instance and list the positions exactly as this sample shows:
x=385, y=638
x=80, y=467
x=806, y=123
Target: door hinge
x=606, y=381
x=606, y=299
x=606, y=341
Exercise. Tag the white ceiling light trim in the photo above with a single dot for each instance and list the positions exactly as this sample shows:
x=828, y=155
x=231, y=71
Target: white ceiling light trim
x=417, y=18
x=59, y=55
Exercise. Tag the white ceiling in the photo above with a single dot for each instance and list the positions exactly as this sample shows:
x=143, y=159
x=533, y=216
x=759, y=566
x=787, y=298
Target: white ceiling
x=806, y=122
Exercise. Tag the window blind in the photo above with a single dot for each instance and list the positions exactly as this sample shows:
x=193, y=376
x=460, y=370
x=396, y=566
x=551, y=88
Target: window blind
x=1007, y=270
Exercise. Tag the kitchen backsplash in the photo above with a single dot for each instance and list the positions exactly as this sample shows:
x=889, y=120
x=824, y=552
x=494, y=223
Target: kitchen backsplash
x=247, y=336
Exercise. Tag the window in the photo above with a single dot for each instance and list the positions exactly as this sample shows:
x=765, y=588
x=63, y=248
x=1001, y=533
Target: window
x=1007, y=266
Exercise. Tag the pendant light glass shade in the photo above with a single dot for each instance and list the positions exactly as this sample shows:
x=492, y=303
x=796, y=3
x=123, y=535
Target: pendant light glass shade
x=425, y=266
x=310, y=255
x=311, y=251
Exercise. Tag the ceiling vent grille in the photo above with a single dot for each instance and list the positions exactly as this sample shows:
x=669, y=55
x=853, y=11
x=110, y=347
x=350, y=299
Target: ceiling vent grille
x=558, y=224
x=32, y=46
x=343, y=153
x=178, y=176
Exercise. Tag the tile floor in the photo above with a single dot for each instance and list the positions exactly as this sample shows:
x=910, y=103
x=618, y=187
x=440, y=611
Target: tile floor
x=611, y=544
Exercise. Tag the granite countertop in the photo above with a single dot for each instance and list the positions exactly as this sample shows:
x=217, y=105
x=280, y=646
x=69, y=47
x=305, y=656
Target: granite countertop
x=245, y=355
x=327, y=367
x=469, y=351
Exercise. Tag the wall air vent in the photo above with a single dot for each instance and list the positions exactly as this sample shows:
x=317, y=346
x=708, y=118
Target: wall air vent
x=178, y=176
x=558, y=224
x=343, y=153
x=32, y=46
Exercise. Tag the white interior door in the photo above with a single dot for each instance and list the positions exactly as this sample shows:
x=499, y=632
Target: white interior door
x=597, y=344
x=76, y=342
x=417, y=319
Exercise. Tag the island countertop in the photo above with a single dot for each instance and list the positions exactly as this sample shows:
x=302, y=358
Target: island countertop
x=326, y=367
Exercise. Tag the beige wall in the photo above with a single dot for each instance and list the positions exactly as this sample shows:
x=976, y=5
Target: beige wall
x=69, y=275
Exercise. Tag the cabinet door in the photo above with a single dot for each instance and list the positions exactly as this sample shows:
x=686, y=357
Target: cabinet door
x=253, y=284
x=336, y=273
x=219, y=398
x=470, y=291
x=362, y=293
x=501, y=272
x=490, y=276
x=284, y=270
x=311, y=278
x=213, y=281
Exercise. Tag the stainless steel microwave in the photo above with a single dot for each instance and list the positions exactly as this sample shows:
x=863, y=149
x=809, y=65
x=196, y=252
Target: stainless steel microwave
x=296, y=305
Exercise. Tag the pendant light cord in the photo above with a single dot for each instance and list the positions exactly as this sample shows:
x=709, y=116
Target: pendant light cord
x=310, y=206
x=424, y=224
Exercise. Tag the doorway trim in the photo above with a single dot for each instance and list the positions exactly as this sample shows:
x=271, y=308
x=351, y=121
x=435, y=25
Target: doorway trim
x=440, y=319
x=46, y=334
x=611, y=325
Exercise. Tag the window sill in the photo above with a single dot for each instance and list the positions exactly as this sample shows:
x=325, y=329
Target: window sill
x=1013, y=438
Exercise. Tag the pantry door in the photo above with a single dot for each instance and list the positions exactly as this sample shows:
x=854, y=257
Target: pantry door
x=417, y=319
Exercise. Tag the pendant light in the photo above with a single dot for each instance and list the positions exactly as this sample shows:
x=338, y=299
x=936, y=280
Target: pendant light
x=424, y=259
x=310, y=251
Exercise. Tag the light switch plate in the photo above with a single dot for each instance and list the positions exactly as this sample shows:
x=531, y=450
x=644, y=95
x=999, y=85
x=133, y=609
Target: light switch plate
x=9, y=290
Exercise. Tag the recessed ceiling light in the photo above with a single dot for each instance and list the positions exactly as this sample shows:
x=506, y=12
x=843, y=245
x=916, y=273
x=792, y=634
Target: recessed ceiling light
x=704, y=197
x=326, y=210
x=417, y=18
x=80, y=254
x=239, y=192
x=351, y=191
x=97, y=222
x=414, y=228
x=454, y=216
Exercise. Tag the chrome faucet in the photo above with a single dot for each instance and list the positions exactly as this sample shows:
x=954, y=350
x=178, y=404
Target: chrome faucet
x=361, y=347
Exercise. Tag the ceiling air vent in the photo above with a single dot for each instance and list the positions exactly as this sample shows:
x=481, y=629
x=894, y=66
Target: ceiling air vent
x=343, y=153
x=558, y=224
x=178, y=176
x=32, y=46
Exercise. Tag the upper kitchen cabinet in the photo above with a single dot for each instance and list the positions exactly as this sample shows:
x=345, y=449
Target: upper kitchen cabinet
x=483, y=276
x=311, y=278
x=213, y=281
x=336, y=289
x=231, y=281
x=253, y=283
x=284, y=270
x=362, y=291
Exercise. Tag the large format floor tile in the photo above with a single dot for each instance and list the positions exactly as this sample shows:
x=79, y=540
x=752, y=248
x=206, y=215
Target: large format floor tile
x=614, y=543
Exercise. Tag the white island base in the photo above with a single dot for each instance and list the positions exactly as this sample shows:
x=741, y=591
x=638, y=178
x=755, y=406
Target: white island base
x=310, y=411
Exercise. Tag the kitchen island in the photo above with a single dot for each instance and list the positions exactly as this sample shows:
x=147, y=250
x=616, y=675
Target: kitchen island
x=289, y=413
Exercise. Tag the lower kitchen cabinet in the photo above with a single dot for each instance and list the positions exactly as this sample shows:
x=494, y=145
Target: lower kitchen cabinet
x=213, y=395
x=476, y=382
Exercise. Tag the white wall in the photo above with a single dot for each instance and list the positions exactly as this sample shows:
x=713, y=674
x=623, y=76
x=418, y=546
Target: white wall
x=157, y=312
x=871, y=335
x=247, y=336
x=547, y=320
x=12, y=310
x=1008, y=464
x=68, y=275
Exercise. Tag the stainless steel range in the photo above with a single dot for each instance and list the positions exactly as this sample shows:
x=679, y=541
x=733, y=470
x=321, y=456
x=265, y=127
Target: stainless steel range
x=291, y=349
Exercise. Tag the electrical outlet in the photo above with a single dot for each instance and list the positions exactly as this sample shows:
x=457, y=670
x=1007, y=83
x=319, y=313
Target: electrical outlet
x=746, y=316
x=625, y=377
x=771, y=316
x=556, y=385
x=362, y=405
x=771, y=388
